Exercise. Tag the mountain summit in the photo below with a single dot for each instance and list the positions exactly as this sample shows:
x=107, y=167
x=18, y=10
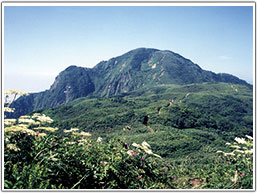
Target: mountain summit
x=147, y=67
x=139, y=68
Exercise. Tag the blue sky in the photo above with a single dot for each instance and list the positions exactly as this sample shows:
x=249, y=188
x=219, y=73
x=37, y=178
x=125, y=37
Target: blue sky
x=41, y=41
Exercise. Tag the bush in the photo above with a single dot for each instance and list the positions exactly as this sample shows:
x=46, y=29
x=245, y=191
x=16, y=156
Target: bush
x=37, y=158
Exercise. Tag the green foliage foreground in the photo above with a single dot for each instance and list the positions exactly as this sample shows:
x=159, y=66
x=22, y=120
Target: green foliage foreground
x=36, y=160
x=36, y=157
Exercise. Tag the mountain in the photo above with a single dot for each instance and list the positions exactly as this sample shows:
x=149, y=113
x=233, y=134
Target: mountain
x=139, y=68
x=148, y=67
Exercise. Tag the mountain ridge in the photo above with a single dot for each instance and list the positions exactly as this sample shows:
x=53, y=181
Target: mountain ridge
x=138, y=68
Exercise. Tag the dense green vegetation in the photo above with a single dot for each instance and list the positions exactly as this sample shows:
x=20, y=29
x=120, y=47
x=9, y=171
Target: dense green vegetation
x=75, y=162
x=202, y=117
x=163, y=137
x=36, y=157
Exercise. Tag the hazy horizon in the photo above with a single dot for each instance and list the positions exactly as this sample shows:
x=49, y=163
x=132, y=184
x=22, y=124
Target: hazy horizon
x=42, y=41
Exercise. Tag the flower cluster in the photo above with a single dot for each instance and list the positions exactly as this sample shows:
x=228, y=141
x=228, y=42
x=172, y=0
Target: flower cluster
x=7, y=109
x=28, y=121
x=241, y=146
x=18, y=128
x=131, y=153
x=42, y=118
x=41, y=134
x=83, y=134
x=13, y=147
x=16, y=92
x=36, y=119
x=103, y=162
x=71, y=130
x=99, y=139
x=9, y=121
x=82, y=141
x=10, y=97
x=146, y=147
x=51, y=129
x=23, y=124
x=240, y=140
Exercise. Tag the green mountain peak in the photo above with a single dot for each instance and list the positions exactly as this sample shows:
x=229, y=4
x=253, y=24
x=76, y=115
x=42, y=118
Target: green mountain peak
x=138, y=68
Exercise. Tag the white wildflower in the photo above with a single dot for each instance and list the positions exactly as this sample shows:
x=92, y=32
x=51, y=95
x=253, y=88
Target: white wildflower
x=157, y=155
x=136, y=145
x=240, y=151
x=7, y=109
x=29, y=132
x=249, y=137
x=82, y=134
x=82, y=141
x=85, y=134
x=229, y=154
x=240, y=140
x=44, y=118
x=71, y=130
x=99, y=139
x=22, y=125
x=7, y=139
x=29, y=121
x=235, y=177
x=235, y=146
x=129, y=153
x=145, y=145
x=25, y=117
x=71, y=143
x=15, y=92
x=9, y=121
x=12, y=147
x=249, y=151
x=35, y=115
x=51, y=129
x=41, y=134
x=148, y=151
x=14, y=128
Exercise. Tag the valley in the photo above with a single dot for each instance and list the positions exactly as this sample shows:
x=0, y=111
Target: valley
x=201, y=117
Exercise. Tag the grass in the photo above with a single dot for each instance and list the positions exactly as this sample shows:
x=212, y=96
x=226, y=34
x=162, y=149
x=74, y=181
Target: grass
x=186, y=134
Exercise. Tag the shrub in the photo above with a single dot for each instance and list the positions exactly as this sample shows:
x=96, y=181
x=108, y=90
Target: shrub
x=37, y=158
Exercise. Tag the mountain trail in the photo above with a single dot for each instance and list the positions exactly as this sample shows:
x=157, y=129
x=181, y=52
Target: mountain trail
x=150, y=129
x=159, y=110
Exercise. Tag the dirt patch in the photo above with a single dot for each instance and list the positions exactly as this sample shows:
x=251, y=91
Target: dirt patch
x=150, y=129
